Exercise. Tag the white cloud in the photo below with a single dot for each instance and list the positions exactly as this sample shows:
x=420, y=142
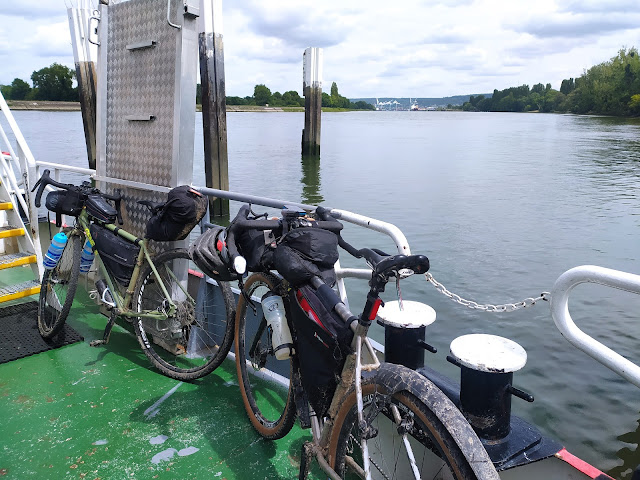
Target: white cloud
x=417, y=48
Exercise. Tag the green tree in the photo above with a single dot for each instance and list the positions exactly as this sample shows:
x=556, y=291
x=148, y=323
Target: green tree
x=261, y=95
x=326, y=99
x=54, y=83
x=292, y=99
x=18, y=90
x=276, y=99
x=6, y=91
x=634, y=104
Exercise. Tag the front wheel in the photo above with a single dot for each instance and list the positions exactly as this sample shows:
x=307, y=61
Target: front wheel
x=58, y=289
x=406, y=417
x=265, y=387
x=196, y=339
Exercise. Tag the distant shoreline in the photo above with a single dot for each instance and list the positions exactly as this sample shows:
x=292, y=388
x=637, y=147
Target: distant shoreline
x=50, y=106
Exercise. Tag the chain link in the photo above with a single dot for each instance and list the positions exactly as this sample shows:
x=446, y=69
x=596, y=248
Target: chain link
x=507, y=307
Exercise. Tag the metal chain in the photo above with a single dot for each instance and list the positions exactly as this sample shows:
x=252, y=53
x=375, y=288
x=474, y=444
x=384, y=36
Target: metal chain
x=507, y=307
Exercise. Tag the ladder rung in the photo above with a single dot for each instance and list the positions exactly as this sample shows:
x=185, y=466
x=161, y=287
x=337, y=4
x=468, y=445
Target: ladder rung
x=10, y=231
x=16, y=259
x=19, y=290
x=6, y=206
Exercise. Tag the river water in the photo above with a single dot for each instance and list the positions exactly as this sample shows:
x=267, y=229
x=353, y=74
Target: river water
x=502, y=204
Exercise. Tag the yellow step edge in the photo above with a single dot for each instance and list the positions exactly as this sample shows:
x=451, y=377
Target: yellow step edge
x=22, y=293
x=12, y=232
x=6, y=206
x=19, y=261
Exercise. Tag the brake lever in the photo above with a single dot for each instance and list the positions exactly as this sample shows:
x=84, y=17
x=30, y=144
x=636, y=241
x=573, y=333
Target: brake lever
x=36, y=185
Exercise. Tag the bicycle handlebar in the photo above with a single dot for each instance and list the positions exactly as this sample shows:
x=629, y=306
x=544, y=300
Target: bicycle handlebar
x=242, y=223
x=46, y=180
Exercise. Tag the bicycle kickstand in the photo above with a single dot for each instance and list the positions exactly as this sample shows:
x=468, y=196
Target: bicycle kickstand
x=107, y=332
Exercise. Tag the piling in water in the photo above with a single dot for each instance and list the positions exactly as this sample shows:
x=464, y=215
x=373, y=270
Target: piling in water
x=214, y=109
x=312, y=90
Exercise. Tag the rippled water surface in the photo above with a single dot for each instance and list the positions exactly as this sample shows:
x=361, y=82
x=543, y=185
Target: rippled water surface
x=501, y=203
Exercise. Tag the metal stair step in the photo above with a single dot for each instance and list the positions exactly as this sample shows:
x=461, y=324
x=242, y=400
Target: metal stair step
x=6, y=206
x=16, y=259
x=9, y=231
x=19, y=290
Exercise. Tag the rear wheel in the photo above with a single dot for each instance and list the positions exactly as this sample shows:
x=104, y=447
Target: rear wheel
x=58, y=289
x=266, y=390
x=424, y=425
x=197, y=338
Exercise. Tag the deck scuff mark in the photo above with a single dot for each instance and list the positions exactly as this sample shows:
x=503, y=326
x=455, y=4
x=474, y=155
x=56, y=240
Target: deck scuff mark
x=154, y=409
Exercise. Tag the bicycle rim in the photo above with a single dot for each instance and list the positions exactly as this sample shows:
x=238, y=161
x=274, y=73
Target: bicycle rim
x=58, y=289
x=433, y=443
x=197, y=338
x=264, y=381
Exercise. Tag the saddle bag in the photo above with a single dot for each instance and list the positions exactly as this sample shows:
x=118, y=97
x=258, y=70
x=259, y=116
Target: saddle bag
x=118, y=255
x=64, y=202
x=323, y=343
x=306, y=252
x=173, y=221
x=98, y=207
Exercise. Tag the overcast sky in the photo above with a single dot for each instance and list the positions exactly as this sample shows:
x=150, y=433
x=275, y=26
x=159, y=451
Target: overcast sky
x=373, y=48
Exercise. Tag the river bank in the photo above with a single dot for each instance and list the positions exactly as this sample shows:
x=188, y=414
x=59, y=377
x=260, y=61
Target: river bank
x=44, y=105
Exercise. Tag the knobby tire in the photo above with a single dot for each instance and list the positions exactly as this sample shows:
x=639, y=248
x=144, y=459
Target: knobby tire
x=196, y=340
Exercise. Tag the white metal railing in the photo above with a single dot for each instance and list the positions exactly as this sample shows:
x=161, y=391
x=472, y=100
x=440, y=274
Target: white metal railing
x=560, y=312
x=21, y=161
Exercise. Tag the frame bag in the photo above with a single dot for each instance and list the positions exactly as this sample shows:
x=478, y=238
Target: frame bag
x=117, y=254
x=182, y=211
x=323, y=343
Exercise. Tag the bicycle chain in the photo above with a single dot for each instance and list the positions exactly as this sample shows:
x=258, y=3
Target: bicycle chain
x=507, y=307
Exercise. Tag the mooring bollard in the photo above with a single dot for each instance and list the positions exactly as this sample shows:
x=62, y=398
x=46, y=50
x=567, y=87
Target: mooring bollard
x=312, y=90
x=404, y=331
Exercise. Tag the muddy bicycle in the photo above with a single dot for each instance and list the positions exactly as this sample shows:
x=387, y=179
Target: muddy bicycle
x=368, y=419
x=182, y=335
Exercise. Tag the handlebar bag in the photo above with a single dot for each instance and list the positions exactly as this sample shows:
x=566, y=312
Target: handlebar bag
x=323, y=342
x=117, y=254
x=184, y=208
x=306, y=252
x=64, y=202
x=98, y=207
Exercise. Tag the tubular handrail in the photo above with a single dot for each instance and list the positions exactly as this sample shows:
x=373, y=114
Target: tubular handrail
x=560, y=313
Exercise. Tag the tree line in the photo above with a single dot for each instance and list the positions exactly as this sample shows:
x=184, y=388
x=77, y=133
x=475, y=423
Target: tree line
x=49, y=83
x=262, y=96
x=610, y=88
x=56, y=83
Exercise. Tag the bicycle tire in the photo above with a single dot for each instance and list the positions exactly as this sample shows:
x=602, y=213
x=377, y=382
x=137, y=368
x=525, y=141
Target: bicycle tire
x=270, y=409
x=174, y=346
x=60, y=281
x=442, y=441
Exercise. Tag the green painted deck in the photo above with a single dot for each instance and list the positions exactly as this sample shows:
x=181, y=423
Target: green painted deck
x=105, y=413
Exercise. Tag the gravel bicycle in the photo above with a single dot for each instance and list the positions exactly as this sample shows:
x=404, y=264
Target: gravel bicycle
x=377, y=420
x=182, y=333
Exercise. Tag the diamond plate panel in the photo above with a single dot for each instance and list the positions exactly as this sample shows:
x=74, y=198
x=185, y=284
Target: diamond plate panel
x=141, y=82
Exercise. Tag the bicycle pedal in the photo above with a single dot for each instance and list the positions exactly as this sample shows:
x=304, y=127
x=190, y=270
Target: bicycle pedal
x=97, y=343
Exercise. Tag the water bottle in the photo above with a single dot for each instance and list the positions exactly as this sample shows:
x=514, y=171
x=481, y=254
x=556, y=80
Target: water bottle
x=274, y=314
x=87, y=257
x=54, y=253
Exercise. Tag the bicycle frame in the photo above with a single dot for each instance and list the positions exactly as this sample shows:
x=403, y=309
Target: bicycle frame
x=123, y=303
x=351, y=376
